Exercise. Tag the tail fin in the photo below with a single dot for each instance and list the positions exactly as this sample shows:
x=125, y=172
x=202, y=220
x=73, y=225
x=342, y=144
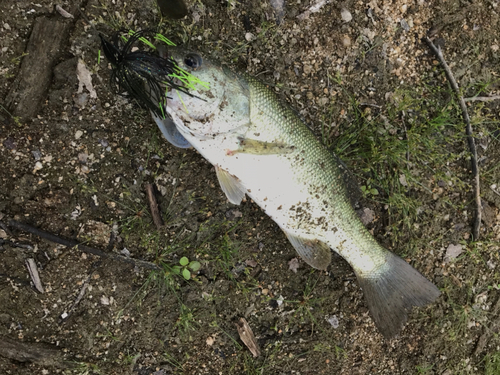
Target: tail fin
x=392, y=292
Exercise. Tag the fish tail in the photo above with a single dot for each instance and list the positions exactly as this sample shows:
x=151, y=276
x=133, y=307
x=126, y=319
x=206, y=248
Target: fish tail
x=392, y=291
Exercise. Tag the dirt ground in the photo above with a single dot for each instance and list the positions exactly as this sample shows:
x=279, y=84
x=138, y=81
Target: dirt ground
x=74, y=160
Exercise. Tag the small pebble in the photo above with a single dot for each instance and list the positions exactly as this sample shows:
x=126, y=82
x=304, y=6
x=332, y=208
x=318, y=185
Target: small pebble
x=38, y=166
x=104, y=300
x=36, y=154
x=346, y=15
x=334, y=321
x=346, y=41
x=405, y=25
x=249, y=37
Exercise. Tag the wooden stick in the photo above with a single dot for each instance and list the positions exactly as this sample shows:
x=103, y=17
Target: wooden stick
x=493, y=190
x=482, y=98
x=472, y=145
x=86, y=249
x=65, y=315
x=153, y=206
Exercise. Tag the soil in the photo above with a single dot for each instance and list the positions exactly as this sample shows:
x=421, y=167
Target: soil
x=74, y=164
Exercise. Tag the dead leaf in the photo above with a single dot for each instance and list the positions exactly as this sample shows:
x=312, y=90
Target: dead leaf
x=366, y=215
x=402, y=180
x=247, y=336
x=293, y=265
x=85, y=79
x=251, y=262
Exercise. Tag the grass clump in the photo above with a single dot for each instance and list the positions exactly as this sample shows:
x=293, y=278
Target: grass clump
x=402, y=150
x=492, y=364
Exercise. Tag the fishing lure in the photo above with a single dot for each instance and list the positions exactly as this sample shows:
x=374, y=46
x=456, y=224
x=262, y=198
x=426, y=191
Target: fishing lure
x=143, y=74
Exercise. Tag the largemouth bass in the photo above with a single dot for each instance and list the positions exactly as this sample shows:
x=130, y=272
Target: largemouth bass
x=260, y=148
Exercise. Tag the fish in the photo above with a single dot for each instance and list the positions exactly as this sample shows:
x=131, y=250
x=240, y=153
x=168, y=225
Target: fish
x=261, y=149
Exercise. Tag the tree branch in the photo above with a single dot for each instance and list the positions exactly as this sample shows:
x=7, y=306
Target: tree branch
x=470, y=138
x=86, y=249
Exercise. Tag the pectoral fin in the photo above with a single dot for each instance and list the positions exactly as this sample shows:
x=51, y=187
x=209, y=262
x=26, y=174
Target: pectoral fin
x=170, y=132
x=315, y=253
x=231, y=185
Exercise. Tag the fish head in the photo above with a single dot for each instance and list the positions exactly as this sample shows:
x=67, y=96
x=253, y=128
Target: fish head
x=217, y=99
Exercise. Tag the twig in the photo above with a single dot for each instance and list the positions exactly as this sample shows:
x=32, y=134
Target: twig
x=35, y=276
x=482, y=98
x=65, y=315
x=6, y=229
x=153, y=206
x=371, y=105
x=63, y=12
x=470, y=138
x=86, y=249
x=493, y=190
x=263, y=72
x=488, y=332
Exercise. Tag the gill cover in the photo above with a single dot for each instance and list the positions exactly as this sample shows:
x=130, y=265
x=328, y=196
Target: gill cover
x=220, y=105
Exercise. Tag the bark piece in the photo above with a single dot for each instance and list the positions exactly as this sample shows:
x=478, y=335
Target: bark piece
x=44, y=354
x=153, y=206
x=30, y=87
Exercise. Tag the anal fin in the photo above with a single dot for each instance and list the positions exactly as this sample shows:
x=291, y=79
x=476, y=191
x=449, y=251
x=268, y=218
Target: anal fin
x=315, y=253
x=230, y=185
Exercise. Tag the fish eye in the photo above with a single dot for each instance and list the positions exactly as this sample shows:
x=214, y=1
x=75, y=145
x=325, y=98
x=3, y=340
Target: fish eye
x=193, y=60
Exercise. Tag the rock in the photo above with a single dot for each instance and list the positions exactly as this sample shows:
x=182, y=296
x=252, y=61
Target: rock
x=405, y=25
x=452, y=252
